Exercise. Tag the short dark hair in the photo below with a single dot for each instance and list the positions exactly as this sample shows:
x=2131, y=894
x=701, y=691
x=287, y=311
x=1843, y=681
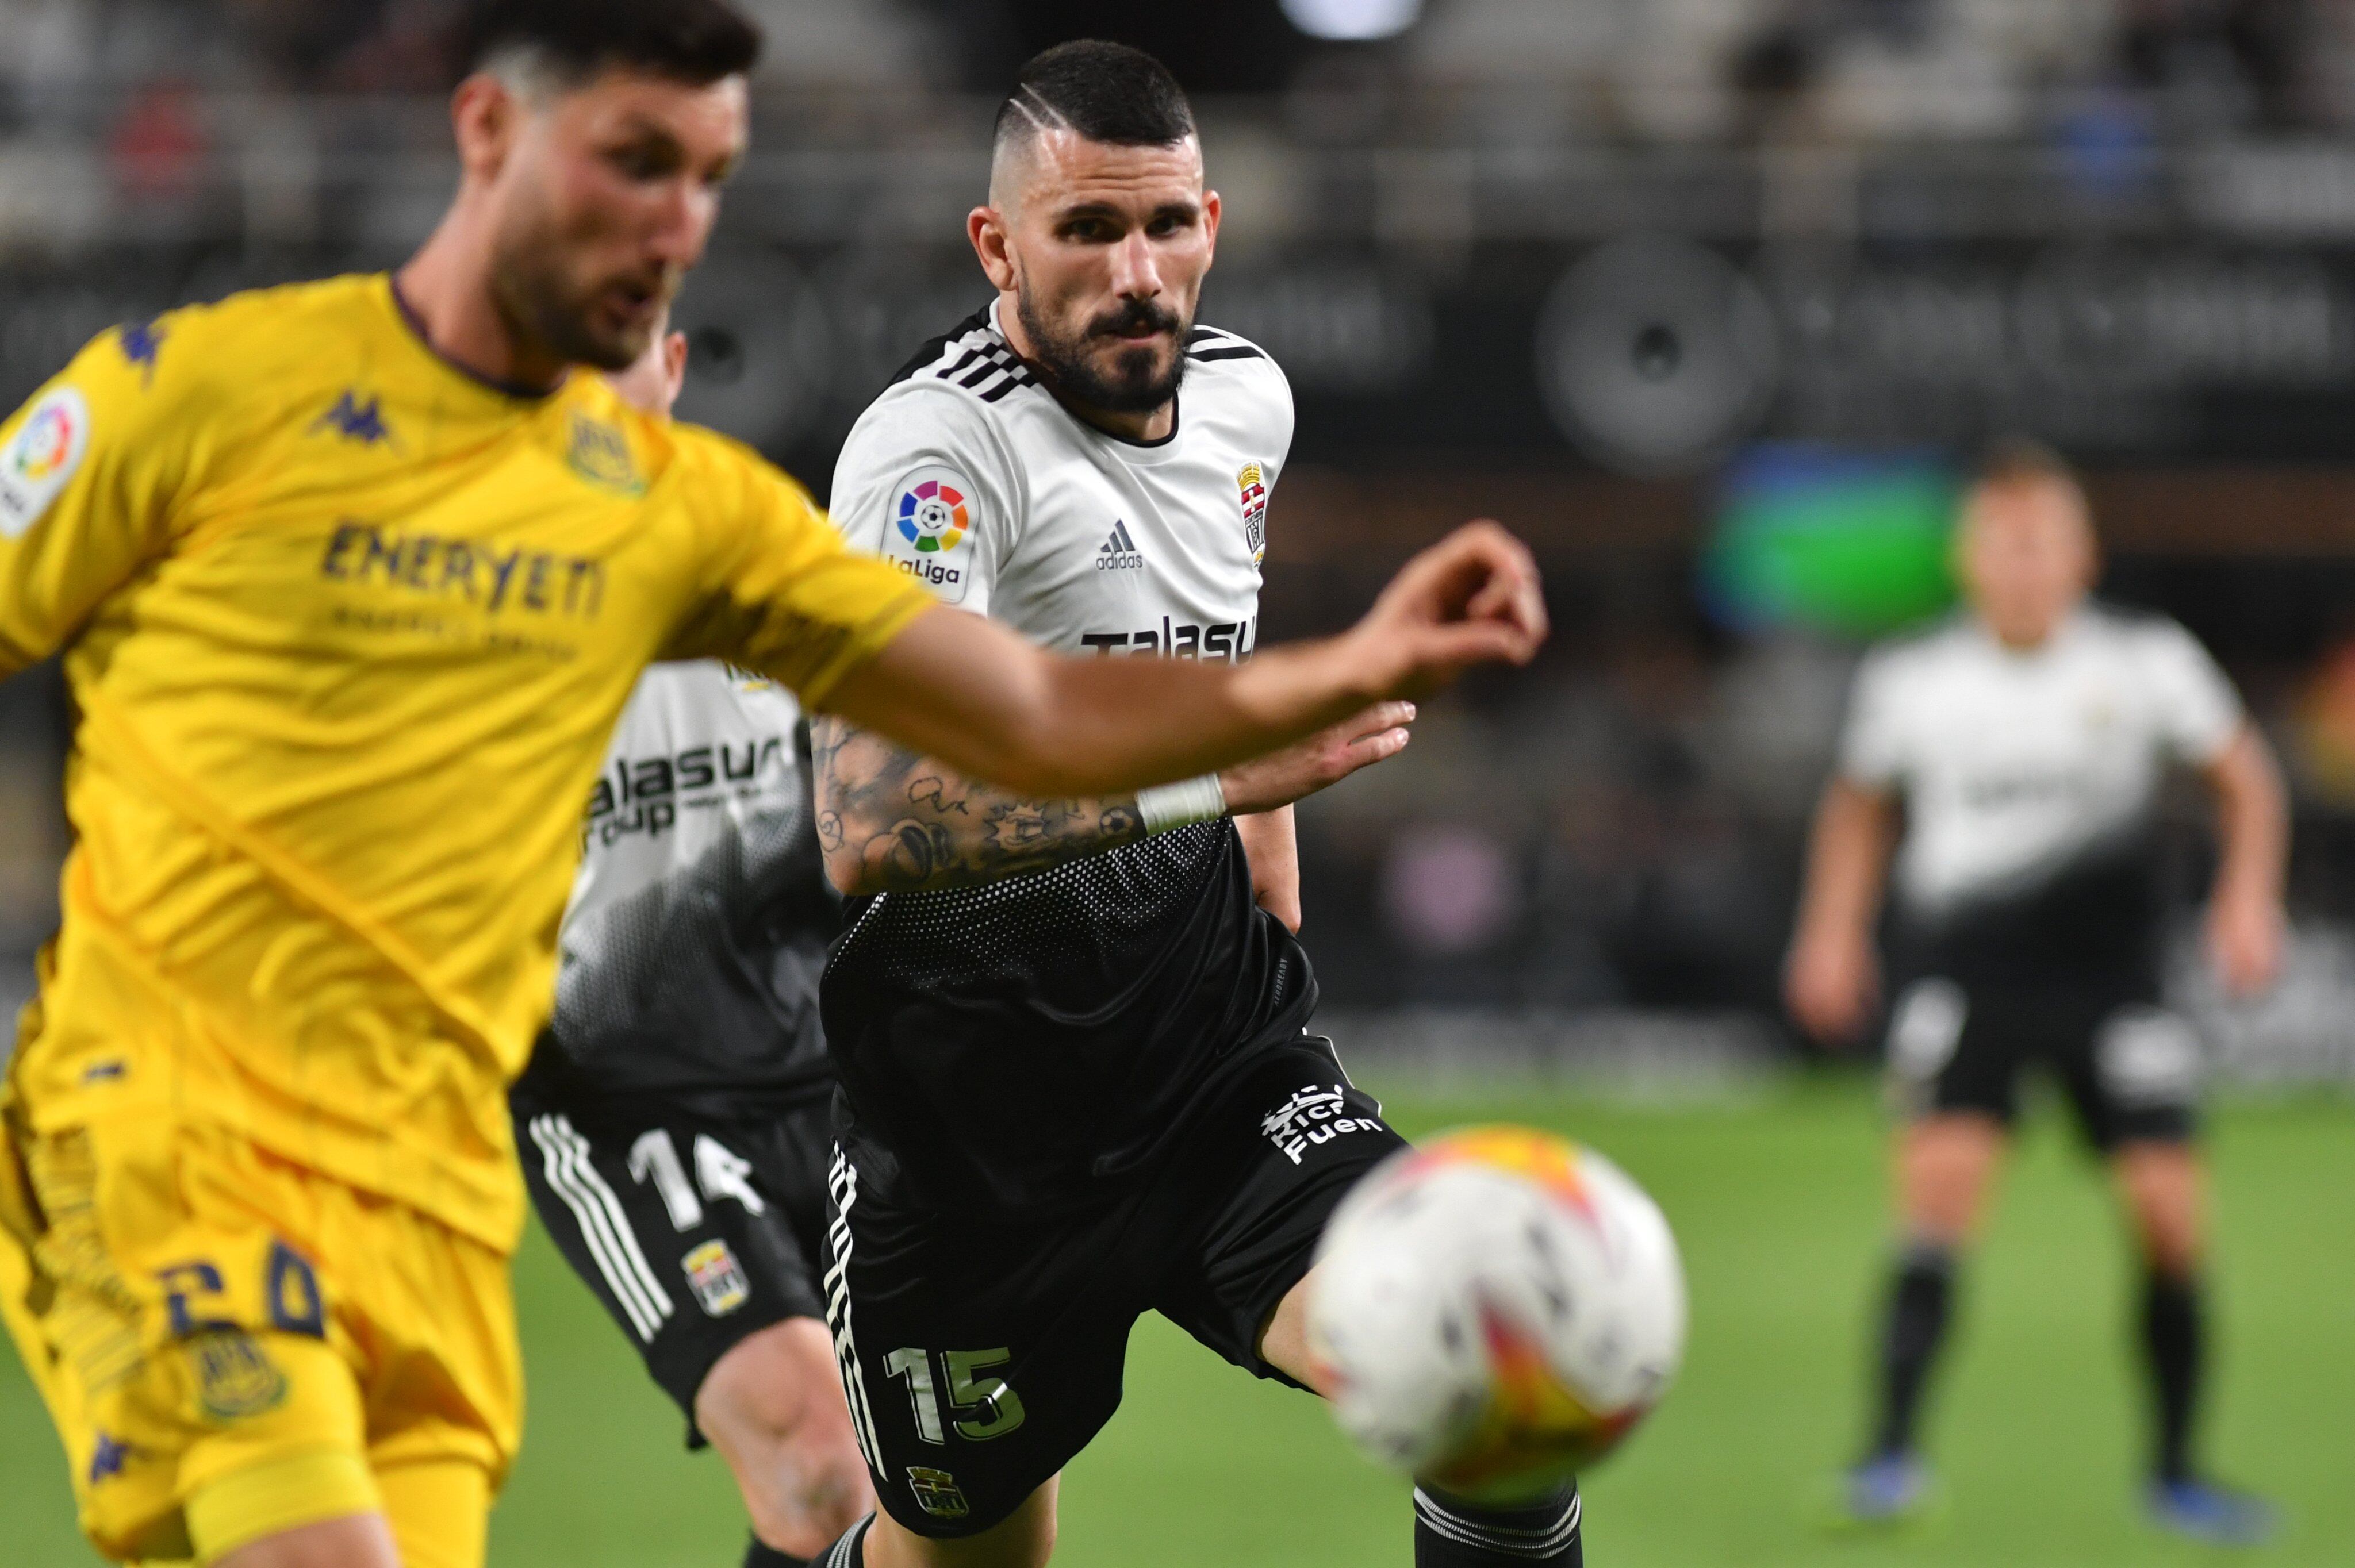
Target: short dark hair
x=2021, y=459
x=1102, y=91
x=694, y=41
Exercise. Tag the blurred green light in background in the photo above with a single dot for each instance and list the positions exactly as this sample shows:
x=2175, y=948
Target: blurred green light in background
x=1851, y=543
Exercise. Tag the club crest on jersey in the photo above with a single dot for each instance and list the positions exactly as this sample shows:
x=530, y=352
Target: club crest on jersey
x=719, y=1284
x=1252, y=481
x=600, y=454
x=937, y=1492
x=931, y=514
x=41, y=457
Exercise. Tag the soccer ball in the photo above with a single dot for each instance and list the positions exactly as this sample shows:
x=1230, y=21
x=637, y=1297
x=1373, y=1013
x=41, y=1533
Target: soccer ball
x=1494, y=1310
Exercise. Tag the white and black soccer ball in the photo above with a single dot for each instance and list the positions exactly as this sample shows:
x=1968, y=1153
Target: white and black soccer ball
x=1495, y=1311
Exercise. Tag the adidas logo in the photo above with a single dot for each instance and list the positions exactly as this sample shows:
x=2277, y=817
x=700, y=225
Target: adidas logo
x=1119, y=552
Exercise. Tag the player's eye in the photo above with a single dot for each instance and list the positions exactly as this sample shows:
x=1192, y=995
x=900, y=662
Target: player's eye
x=1090, y=232
x=642, y=161
x=1165, y=224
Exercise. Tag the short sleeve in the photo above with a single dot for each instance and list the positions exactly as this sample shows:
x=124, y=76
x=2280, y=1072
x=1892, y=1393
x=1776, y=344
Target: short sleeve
x=91, y=471
x=1872, y=740
x=926, y=483
x=2196, y=710
x=779, y=592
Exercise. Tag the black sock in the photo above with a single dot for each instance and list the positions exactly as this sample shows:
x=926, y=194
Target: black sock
x=1920, y=1301
x=2171, y=1340
x=1450, y=1532
x=760, y=1554
x=851, y=1551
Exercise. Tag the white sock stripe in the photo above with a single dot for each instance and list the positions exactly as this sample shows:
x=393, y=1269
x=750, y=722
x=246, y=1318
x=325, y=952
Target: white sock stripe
x=557, y=1166
x=625, y=1238
x=598, y=1212
x=1511, y=1541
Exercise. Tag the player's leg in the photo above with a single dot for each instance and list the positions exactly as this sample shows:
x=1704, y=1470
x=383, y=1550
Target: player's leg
x=2135, y=1086
x=1953, y=1068
x=1024, y=1539
x=1449, y=1531
x=773, y=1405
x=360, y=1541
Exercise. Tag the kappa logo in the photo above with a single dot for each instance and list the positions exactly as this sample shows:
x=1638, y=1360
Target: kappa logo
x=937, y=1492
x=142, y=345
x=108, y=1458
x=356, y=419
x=719, y=1283
x=1119, y=552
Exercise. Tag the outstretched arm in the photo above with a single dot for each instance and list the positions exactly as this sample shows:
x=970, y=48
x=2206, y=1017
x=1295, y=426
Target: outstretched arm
x=979, y=697
x=894, y=821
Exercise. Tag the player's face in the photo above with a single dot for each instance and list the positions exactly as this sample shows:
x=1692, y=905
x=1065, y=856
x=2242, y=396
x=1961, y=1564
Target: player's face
x=1108, y=247
x=607, y=199
x=2027, y=557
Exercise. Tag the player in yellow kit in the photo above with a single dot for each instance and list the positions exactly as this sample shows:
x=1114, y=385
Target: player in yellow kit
x=352, y=579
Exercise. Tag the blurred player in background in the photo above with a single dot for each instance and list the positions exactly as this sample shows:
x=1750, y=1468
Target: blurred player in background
x=676, y=1118
x=352, y=581
x=2023, y=747
x=1070, y=1031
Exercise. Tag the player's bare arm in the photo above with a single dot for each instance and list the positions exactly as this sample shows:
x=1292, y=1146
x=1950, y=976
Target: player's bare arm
x=893, y=820
x=1272, y=844
x=1833, y=977
x=975, y=694
x=2246, y=926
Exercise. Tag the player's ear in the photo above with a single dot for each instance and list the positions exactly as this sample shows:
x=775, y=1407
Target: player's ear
x=1212, y=208
x=485, y=112
x=674, y=354
x=987, y=228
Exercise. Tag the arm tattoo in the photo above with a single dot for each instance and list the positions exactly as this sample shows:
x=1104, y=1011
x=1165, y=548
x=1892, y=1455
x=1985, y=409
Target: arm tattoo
x=893, y=821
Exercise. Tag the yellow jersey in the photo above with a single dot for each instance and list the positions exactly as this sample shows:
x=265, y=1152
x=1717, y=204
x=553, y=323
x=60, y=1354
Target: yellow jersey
x=348, y=628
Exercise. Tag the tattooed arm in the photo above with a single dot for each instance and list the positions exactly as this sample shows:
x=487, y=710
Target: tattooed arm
x=891, y=821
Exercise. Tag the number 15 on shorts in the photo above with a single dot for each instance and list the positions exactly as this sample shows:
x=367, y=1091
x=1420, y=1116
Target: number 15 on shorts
x=978, y=1407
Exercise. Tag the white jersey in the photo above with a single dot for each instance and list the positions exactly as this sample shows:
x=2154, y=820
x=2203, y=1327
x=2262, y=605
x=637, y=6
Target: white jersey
x=2022, y=770
x=967, y=476
x=690, y=950
x=1017, y=1043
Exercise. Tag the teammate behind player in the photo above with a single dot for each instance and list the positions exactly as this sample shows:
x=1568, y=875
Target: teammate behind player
x=2026, y=743
x=352, y=581
x=1070, y=1031
x=675, y=1120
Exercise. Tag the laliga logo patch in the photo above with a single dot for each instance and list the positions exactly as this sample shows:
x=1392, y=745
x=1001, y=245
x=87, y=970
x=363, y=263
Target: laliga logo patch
x=41, y=457
x=930, y=520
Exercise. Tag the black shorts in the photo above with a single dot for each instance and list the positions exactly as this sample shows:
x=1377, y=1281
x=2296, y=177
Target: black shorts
x=2131, y=1068
x=981, y=1354
x=695, y=1232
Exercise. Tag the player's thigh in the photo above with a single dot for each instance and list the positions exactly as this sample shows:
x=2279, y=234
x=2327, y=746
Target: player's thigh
x=208, y=1396
x=358, y=1541
x=978, y=1356
x=773, y=1407
x=679, y=1223
x=2133, y=1072
x=1946, y=1161
x=2162, y=1185
x=1024, y=1539
x=1261, y=1174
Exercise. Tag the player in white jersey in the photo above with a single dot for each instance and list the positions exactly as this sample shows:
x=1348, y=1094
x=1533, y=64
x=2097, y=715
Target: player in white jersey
x=677, y=1119
x=1071, y=1033
x=2024, y=745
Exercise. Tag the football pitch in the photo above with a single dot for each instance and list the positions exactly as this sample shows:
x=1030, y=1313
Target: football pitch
x=1777, y=1201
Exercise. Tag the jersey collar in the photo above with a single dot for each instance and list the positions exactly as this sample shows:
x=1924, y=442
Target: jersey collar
x=414, y=327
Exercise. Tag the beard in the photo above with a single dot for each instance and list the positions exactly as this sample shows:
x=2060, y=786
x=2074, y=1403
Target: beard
x=1134, y=381
x=543, y=305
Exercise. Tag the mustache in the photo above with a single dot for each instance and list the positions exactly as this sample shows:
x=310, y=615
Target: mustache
x=1136, y=316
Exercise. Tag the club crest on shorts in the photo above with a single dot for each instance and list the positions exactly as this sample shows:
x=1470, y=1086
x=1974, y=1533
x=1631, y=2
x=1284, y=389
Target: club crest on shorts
x=937, y=1493
x=235, y=1377
x=719, y=1284
x=1253, y=482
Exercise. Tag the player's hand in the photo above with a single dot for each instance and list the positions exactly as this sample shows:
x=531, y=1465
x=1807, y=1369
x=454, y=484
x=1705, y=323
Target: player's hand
x=1831, y=984
x=1474, y=598
x=2246, y=940
x=1325, y=759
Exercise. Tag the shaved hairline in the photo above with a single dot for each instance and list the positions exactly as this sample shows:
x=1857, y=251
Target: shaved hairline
x=1033, y=123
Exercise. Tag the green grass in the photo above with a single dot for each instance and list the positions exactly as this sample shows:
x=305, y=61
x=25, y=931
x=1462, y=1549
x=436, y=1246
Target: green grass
x=1779, y=1206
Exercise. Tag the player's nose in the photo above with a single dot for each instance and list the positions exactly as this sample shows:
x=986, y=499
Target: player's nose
x=1136, y=273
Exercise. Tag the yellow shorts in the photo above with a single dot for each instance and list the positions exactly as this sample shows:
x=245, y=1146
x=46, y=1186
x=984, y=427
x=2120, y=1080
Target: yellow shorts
x=232, y=1346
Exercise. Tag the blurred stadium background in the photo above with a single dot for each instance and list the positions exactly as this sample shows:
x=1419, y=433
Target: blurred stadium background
x=1704, y=298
